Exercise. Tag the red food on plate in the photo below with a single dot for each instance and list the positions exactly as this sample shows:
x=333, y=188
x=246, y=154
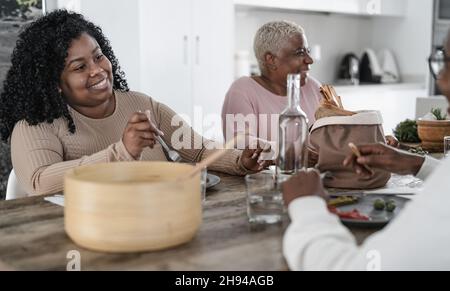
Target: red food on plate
x=354, y=214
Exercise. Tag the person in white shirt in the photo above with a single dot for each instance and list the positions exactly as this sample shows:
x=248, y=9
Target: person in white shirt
x=418, y=239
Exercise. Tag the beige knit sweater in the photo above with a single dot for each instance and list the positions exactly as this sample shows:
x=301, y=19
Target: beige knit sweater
x=42, y=154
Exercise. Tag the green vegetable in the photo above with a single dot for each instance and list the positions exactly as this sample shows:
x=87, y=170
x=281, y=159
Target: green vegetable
x=390, y=206
x=418, y=150
x=406, y=131
x=379, y=204
x=437, y=112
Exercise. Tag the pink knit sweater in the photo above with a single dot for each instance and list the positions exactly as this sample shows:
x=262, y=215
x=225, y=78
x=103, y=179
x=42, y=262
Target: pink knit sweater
x=246, y=96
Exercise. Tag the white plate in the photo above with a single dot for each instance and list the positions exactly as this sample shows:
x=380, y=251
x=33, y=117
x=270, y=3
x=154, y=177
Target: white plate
x=211, y=181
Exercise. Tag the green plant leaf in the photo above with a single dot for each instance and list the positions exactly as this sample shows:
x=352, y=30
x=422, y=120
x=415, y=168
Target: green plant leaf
x=406, y=131
x=437, y=112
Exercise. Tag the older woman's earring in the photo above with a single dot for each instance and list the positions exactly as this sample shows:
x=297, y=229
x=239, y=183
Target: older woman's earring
x=273, y=67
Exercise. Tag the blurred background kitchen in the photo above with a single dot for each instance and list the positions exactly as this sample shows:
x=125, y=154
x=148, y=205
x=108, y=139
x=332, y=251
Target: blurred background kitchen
x=186, y=53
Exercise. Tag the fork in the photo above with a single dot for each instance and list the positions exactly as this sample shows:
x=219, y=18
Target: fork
x=173, y=155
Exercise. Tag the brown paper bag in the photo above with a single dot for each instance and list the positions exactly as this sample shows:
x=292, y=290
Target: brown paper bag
x=330, y=136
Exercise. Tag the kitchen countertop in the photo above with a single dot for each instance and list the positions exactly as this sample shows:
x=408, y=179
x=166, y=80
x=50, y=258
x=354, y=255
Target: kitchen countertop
x=395, y=102
x=396, y=86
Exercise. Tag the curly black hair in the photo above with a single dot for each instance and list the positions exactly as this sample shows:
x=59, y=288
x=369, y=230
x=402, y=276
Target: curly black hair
x=30, y=90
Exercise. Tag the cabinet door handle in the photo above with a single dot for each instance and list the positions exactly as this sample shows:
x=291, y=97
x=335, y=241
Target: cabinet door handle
x=185, y=49
x=197, y=50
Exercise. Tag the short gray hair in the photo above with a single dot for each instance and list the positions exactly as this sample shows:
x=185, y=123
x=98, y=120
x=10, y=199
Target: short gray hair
x=271, y=36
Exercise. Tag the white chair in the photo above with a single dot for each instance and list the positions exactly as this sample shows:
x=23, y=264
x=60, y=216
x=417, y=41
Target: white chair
x=13, y=190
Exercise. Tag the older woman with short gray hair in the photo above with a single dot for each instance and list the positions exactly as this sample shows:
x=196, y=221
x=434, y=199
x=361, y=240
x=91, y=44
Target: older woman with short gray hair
x=271, y=37
x=281, y=48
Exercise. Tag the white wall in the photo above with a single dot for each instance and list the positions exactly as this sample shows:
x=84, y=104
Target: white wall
x=409, y=37
x=336, y=34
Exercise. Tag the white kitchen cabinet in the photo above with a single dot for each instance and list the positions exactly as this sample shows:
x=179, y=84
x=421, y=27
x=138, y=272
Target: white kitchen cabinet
x=187, y=53
x=165, y=63
x=213, y=67
x=394, y=8
x=347, y=6
x=395, y=102
x=357, y=7
x=383, y=7
x=306, y=5
x=281, y=4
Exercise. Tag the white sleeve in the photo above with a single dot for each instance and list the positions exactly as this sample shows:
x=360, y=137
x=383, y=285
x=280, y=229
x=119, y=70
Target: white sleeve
x=428, y=166
x=415, y=240
x=316, y=240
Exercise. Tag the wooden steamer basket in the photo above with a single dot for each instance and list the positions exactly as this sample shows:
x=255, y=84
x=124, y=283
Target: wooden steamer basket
x=132, y=207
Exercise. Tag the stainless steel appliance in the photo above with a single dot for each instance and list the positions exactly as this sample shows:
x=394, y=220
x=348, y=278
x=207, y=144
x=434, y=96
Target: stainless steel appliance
x=441, y=26
x=349, y=70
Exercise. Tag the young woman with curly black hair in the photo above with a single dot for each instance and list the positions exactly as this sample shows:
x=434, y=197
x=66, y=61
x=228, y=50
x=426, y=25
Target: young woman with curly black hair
x=66, y=103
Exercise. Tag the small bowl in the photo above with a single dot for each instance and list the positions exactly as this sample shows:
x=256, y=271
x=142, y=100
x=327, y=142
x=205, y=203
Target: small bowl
x=432, y=133
x=132, y=207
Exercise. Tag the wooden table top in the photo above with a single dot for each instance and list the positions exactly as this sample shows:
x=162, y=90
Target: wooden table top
x=32, y=237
